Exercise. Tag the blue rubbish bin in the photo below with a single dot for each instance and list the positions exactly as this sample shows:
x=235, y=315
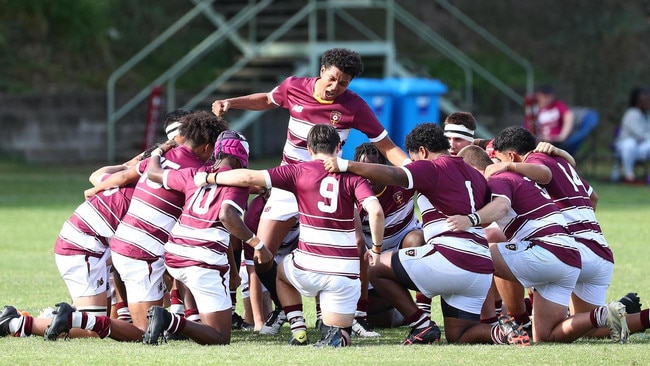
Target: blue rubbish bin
x=379, y=96
x=416, y=101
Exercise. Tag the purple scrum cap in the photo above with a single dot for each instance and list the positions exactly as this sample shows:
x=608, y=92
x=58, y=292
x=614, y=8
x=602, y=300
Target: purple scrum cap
x=234, y=144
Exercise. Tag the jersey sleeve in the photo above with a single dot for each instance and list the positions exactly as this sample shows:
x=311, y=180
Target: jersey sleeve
x=501, y=186
x=283, y=176
x=177, y=179
x=279, y=94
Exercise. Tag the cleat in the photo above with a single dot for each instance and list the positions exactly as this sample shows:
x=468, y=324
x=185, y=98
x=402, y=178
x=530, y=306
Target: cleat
x=361, y=328
x=513, y=333
x=632, y=303
x=60, y=323
x=238, y=323
x=319, y=324
x=617, y=323
x=156, y=327
x=8, y=313
x=273, y=324
x=426, y=335
x=299, y=338
x=331, y=337
x=175, y=337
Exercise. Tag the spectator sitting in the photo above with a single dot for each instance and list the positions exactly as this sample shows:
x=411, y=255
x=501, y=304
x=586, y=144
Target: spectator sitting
x=554, y=119
x=633, y=142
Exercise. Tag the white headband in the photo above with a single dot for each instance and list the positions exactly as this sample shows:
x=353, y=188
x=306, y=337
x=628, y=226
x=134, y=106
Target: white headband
x=172, y=130
x=460, y=131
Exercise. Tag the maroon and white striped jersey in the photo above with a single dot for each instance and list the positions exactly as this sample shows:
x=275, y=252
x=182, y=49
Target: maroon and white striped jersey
x=326, y=205
x=533, y=217
x=399, y=212
x=447, y=186
x=199, y=238
x=346, y=112
x=153, y=210
x=96, y=218
x=571, y=195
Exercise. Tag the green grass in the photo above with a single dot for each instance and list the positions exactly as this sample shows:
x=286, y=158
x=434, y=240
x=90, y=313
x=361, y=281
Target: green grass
x=36, y=200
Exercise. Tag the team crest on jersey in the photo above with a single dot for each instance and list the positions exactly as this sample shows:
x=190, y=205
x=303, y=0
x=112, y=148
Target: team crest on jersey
x=335, y=117
x=410, y=252
x=100, y=283
x=267, y=208
x=511, y=246
x=399, y=197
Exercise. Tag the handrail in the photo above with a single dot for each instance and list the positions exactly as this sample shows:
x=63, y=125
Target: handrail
x=205, y=92
x=493, y=40
x=190, y=58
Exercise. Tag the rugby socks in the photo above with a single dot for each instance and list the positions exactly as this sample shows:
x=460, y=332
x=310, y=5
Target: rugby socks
x=423, y=302
x=524, y=318
x=362, y=308
x=295, y=317
x=497, y=335
x=123, y=313
x=177, y=306
x=192, y=315
x=645, y=318
x=21, y=326
x=418, y=320
x=98, y=324
x=173, y=323
x=498, y=306
x=319, y=313
x=598, y=316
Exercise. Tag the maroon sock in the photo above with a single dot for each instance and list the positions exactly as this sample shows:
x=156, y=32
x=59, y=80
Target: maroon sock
x=645, y=318
x=362, y=305
x=522, y=318
x=102, y=326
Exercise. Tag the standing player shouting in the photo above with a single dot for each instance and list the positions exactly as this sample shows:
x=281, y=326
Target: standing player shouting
x=324, y=99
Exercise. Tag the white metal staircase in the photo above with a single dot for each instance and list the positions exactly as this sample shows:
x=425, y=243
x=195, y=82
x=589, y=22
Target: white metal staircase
x=278, y=38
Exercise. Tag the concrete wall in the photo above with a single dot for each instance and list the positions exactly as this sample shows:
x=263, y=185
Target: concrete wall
x=71, y=128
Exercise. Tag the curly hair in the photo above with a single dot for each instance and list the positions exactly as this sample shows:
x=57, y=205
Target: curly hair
x=428, y=135
x=202, y=128
x=323, y=138
x=367, y=149
x=461, y=118
x=515, y=138
x=344, y=59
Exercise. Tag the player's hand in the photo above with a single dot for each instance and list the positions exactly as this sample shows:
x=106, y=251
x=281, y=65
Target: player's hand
x=89, y=192
x=545, y=148
x=199, y=179
x=263, y=255
x=495, y=168
x=220, y=107
x=458, y=223
x=372, y=257
x=167, y=145
x=331, y=165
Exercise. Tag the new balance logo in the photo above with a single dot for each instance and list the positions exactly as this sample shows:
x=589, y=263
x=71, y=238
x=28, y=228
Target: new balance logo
x=297, y=108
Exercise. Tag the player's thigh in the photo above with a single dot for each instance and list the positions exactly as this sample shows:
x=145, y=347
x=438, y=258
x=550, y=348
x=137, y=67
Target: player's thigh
x=143, y=280
x=85, y=276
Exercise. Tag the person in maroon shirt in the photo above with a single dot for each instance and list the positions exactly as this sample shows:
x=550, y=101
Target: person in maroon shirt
x=326, y=262
x=324, y=99
x=454, y=264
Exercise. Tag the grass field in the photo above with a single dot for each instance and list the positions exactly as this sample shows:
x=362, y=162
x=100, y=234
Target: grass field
x=36, y=200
